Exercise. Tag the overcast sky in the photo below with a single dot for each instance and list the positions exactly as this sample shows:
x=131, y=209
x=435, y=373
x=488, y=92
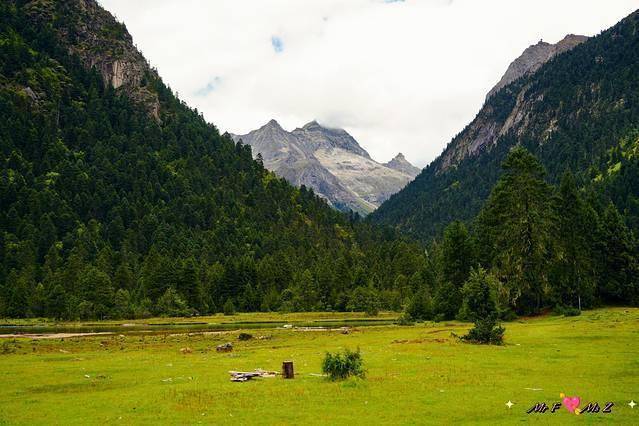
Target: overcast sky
x=399, y=75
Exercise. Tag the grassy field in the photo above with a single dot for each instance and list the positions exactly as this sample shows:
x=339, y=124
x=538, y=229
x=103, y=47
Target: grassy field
x=416, y=375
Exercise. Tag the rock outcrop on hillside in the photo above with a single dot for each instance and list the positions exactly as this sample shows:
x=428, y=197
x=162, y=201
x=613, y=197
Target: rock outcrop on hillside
x=87, y=30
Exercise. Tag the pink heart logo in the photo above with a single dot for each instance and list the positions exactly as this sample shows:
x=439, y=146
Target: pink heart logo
x=571, y=403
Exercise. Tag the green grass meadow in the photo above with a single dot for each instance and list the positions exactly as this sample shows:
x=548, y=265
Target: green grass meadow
x=418, y=374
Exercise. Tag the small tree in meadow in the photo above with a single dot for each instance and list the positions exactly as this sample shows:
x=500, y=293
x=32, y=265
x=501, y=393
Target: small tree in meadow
x=172, y=304
x=479, y=305
x=420, y=307
x=340, y=366
x=229, y=307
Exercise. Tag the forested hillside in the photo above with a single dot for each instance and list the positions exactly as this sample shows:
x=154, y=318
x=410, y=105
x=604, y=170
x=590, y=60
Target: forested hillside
x=117, y=200
x=579, y=112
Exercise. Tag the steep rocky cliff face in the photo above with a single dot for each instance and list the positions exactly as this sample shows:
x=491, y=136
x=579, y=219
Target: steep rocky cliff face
x=331, y=162
x=87, y=30
x=533, y=58
x=489, y=125
x=573, y=110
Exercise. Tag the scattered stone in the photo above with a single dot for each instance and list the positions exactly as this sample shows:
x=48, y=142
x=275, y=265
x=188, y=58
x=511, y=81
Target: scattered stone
x=30, y=93
x=226, y=347
x=186, y=350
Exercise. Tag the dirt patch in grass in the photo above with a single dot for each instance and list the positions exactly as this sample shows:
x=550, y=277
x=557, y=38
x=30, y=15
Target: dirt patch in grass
x=415, y=341
x=90, y=385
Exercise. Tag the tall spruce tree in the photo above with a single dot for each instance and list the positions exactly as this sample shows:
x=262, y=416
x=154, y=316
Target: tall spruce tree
x=456, y=260
x=574, y=278
x=618, y=256
x=514, y=230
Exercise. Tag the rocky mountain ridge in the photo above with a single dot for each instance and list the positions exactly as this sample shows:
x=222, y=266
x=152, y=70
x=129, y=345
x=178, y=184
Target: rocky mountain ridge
x=533, y=58
x=401, y=164
x=485, y=130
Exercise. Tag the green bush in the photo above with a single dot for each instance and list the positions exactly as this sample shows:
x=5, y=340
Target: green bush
x=420, y=307
x=480, y=306
x=364, y=299
x=341, y=366
x=486, y=331
x=244, y=336
x=229, y=307
x=172, y=304
x=405, y=319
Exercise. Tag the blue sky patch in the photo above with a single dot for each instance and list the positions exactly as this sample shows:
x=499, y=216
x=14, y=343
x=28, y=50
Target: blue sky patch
x=278, y=44
x=210, y=87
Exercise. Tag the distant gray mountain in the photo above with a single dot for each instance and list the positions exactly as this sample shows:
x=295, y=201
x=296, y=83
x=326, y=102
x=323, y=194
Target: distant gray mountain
x=401, y=164
x=331, y=162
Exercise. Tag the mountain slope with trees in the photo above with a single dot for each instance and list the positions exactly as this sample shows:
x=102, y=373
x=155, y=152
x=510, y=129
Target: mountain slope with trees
x=578, y=112
x=117, y=200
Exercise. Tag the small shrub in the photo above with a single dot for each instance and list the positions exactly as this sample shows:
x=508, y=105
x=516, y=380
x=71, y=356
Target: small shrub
x=405, y=319
x=229, y=308
x=480, y=306
x=341, y=366
x=507, y=315
x=171, y=304
x=7, y=348
x=486, y=331
x=244, y=336
x=420, y=307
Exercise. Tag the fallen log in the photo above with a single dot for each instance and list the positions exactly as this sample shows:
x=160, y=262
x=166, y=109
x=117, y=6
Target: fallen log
x=243, y=376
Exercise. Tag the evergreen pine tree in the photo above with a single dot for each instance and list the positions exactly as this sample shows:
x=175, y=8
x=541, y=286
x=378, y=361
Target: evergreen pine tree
x=514, y=230
x=574, y=272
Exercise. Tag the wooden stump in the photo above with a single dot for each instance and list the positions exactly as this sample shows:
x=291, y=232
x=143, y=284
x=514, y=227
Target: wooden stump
x=287, y=370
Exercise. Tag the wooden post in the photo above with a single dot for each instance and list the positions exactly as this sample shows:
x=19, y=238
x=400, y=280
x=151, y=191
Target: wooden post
x=287, y=370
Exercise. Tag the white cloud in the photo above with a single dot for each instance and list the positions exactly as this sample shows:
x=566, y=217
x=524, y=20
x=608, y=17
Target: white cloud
x=399, y=75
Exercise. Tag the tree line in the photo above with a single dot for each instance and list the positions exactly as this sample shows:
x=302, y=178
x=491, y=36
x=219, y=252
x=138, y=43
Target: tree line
x=536, y=246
